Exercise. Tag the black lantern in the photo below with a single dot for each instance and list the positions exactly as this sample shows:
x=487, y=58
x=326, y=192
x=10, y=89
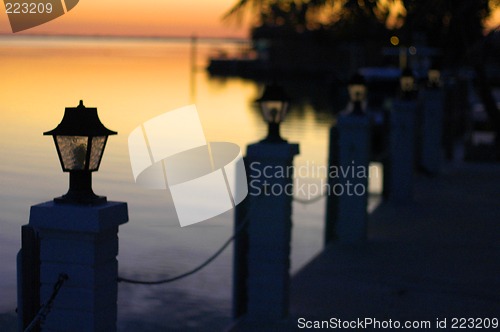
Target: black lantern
x=407, y=83
x=357, y=93
x=80, y=140
x=274, y=105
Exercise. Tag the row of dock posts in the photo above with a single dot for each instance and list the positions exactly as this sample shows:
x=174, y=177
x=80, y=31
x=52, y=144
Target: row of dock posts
x=262, y=252
x=350, y=145
x=73, y=239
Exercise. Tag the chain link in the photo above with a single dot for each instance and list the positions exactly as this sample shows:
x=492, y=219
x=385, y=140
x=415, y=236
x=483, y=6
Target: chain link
x=47, y=307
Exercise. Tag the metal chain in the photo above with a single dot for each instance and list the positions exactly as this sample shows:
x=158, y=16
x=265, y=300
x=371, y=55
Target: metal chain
x=47, y=307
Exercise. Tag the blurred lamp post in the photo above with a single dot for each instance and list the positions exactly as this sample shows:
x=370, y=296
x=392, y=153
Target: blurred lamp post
x=80, y=140
x=262, y=254
x=402, y=141
x=357, y=93
x=346, y=216
x=430, y=107
x=274, y=106
x=407, y=84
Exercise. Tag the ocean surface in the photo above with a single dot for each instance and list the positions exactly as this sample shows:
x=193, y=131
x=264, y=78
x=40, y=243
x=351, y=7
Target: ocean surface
x=131, y=81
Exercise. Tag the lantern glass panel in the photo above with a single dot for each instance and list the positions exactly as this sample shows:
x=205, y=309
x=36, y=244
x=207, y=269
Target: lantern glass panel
x=357, y=92
x=274, y=111
x=407, y=83
x=434, y=76
x=73, y=151
x=98, y=143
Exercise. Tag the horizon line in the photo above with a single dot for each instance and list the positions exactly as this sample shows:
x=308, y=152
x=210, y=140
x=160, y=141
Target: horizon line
x=113, y=36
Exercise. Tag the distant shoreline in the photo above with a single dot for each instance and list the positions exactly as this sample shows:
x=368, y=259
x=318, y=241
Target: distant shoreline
x=121, y=38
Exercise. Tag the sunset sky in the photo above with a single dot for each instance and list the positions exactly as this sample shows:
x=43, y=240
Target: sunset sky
x=144, y=17
x=149, y=18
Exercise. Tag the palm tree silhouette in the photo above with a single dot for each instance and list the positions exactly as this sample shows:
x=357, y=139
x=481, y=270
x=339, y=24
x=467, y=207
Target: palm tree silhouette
x=298, y=12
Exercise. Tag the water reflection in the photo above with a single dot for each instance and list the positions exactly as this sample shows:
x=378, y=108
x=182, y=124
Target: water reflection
x=131, y=81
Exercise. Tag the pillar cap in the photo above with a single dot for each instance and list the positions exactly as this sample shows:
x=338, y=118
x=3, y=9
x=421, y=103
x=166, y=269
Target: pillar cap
x=349, y=120
x=273, y=151
x=78, y=218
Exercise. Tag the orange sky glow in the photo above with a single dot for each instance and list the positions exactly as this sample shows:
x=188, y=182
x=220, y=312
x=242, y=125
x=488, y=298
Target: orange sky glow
x=140, y=18
x=151, y=18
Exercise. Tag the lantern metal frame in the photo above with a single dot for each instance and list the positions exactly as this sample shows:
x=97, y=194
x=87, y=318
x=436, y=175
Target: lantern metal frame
x=434, y=78
x=80, y=140
x=274, y=104
x=357, y=90
x=407, y=84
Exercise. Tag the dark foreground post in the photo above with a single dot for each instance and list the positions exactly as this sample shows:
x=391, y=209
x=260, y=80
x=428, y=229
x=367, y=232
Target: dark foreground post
x=332, y=201
x=240, y=257
x=28, y=276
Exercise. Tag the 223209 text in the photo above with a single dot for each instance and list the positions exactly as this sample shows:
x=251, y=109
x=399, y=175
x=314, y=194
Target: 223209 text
x=28, y=8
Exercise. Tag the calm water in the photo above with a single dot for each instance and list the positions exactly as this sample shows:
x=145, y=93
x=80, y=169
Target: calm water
x=131, y=81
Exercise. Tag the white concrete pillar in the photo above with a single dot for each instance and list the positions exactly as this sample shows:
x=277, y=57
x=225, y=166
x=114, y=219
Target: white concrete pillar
x=402, y=151
x=269, y=229
x=431, y=150
x=80, y=241
x=352, y=187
